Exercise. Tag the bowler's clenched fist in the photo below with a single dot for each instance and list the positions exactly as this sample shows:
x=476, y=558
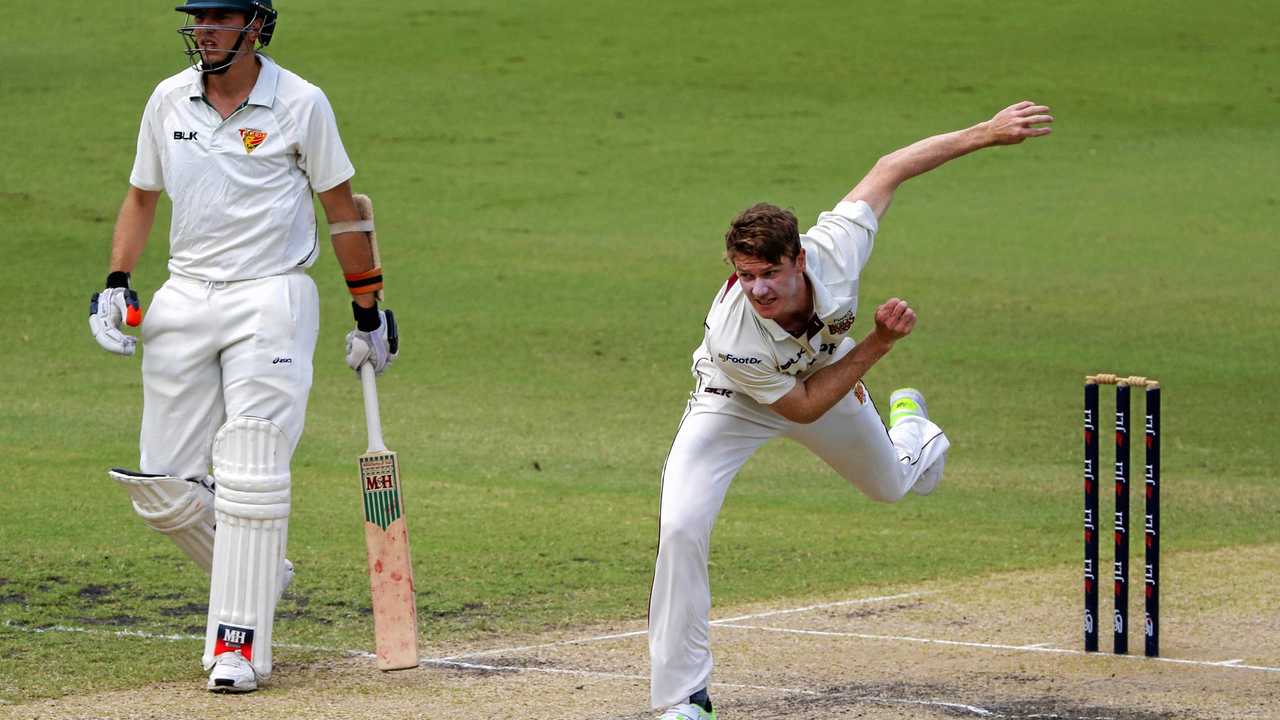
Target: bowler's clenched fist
x=894, y=320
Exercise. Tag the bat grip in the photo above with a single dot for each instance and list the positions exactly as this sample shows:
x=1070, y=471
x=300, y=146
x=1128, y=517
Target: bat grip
x=372, y=418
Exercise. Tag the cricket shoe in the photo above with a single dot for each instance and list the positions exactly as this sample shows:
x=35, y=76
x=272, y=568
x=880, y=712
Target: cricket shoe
x=909, y=402
x=687, y=711
x=231, y=673
x=906, y=402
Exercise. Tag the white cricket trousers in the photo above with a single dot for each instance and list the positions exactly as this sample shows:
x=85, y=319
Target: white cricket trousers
x=218, y=350
x=715, y=438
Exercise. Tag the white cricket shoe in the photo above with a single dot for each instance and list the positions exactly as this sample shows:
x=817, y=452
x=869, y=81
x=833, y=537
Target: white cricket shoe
x=231, y=673
x=687, y=711
x=909, y=402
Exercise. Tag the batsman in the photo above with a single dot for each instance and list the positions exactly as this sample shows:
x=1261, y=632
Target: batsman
x=239, y=144
x=778, y=360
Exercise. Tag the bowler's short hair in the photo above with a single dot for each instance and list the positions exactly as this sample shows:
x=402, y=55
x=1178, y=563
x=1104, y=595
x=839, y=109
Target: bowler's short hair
x=764, y=231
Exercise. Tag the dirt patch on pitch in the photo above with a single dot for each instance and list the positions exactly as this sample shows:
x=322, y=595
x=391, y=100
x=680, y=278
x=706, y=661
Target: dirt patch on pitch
x=1002, y=646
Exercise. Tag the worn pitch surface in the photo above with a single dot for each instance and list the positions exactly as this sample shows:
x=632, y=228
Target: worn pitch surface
x=1002, y=646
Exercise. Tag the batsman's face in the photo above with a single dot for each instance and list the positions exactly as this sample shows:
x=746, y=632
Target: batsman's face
x=775, y=289
x=215, y=33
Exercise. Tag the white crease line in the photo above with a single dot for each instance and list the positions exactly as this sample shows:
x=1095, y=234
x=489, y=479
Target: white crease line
x=634, y=633
x=1232, y=664
x=823, y=606
x=143, y=635
x=557, y=643
x=597, y=673
x=517, y=668
x=982, y=712
x=90, y=631
x=998, y=646
x=1037, y=646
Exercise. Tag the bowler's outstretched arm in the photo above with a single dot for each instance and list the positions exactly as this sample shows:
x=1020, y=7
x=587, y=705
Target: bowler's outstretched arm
x=1010, y=126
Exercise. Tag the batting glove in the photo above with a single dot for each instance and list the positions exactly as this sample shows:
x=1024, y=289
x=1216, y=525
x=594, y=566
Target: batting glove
x=107, y=309
x=375, y=339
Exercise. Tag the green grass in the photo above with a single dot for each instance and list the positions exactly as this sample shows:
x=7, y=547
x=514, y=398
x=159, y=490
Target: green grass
x=552, y=181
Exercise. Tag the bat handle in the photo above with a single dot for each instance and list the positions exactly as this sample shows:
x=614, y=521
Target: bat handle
x=372, y=418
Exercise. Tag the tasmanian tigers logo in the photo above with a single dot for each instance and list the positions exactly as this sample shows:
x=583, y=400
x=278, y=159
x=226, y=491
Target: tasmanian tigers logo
x=252, y=138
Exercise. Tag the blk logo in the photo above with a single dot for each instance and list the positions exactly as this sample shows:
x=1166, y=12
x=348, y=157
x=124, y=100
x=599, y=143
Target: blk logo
x=179, y=135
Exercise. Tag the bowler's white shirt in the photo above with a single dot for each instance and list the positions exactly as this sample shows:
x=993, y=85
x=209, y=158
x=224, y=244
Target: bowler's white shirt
x=241, y=187
x=754, y=355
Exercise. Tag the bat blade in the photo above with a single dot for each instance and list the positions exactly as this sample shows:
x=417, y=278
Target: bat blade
x=395, y=611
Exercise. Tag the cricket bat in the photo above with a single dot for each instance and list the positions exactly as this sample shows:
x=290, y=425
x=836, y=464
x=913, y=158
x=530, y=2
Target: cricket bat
x=386, y=536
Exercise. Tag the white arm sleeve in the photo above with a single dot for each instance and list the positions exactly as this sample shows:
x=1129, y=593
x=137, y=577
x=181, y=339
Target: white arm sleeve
x=845, y=236
x=148, y=168
x=323, y=158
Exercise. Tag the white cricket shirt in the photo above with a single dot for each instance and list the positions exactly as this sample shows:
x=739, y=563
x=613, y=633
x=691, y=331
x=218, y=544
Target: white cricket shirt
x=754, y=355
x=241, y=187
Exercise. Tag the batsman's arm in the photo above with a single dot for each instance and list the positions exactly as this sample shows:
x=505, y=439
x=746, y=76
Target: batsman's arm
x=815, y=395
x=1010, y=126
x=353, y=249
x=133, y=225
x=118, y=303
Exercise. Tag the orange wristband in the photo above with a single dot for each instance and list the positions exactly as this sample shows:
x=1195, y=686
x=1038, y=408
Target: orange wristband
x=363, y=283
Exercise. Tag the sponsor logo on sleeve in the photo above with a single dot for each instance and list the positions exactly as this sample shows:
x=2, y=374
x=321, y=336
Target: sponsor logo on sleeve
x=841, y=326
x=252, y=138
x=730, y=358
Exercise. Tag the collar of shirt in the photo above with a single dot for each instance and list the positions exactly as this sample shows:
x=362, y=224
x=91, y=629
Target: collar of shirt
x=264, y=89
x=824, y=308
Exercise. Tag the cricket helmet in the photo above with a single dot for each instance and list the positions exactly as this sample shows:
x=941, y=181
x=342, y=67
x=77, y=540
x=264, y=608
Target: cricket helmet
x=252, y=9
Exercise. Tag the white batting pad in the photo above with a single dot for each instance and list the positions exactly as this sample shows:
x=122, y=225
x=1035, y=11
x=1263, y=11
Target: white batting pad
x=181, y=509
x=251, y=468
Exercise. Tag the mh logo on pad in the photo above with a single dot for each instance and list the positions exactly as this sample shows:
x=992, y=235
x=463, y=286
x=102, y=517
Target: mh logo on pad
x=232, y=638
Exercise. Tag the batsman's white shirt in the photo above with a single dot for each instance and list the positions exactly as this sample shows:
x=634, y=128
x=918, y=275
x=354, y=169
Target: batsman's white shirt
x=233, y=330
x=241, y=187
x=744, y=364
